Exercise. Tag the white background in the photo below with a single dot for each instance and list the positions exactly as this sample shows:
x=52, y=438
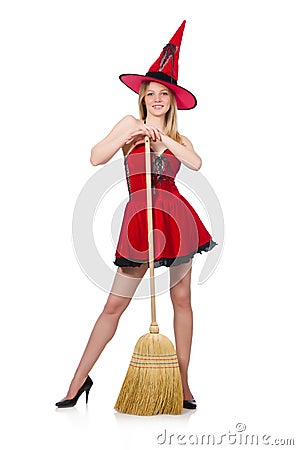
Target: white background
x=60, y=94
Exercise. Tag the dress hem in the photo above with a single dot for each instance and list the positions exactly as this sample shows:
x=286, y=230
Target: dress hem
x=124, y=262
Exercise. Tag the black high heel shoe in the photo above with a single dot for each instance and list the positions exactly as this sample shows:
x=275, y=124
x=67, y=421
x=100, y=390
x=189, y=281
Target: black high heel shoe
x=71, y=402
x=189, y=404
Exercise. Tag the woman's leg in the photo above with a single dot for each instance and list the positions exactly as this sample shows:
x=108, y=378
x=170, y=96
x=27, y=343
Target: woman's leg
x=124, y=286
x=180, y=278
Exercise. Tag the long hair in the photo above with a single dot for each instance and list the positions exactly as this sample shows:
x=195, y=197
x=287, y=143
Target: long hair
x=171, y=128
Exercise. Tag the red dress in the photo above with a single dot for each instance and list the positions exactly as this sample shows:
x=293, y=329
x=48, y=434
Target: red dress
x=177, y=229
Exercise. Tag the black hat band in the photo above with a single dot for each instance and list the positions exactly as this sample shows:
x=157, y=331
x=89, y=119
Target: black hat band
x=161, y=76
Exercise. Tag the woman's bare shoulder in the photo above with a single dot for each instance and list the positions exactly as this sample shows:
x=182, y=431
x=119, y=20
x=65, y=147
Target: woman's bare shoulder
x=185, y=139
x=129, y=120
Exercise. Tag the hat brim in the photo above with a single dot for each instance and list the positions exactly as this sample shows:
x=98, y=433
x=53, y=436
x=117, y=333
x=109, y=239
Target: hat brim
x=184, y=98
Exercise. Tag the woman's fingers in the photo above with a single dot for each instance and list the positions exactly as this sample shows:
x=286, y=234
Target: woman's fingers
x=155, y=133
x=133, y=136
x=152, y=132
x=139, y=141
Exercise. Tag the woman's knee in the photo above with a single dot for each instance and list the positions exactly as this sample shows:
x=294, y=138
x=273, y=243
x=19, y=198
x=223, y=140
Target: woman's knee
x=181, y=299
x=116, y=305
x=180, y=278
x=181, y=294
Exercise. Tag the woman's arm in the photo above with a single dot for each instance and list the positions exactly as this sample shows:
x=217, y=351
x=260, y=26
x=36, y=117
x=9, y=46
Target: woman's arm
x=185, y=153
x=107, y=147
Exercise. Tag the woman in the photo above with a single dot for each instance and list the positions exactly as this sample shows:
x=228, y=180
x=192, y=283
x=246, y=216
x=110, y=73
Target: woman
x=158, y=121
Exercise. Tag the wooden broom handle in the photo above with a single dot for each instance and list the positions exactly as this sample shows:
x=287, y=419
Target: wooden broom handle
x=154, y=325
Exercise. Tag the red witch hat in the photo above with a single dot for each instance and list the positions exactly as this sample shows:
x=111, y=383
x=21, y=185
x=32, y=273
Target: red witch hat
x=165, y=71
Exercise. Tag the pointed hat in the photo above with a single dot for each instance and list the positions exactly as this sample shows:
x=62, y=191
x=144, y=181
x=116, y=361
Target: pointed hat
x=165, y=71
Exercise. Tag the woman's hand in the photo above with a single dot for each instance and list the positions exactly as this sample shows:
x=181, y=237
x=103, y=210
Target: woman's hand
x=138, y=136
x=128, y=130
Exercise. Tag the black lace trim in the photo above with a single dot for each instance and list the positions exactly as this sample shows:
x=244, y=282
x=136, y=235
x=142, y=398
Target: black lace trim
x=123, y=262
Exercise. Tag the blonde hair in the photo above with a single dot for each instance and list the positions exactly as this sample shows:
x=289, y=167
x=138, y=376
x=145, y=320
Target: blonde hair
x=171, y=116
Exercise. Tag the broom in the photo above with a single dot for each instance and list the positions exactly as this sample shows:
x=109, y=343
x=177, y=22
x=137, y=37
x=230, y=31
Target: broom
x=152, y=384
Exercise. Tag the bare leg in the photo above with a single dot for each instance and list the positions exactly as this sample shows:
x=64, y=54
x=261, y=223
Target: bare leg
x=126, y=282
x=180, y=277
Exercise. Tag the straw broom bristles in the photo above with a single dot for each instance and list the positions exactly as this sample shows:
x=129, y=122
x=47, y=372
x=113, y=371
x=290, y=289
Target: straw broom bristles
x=153, y=381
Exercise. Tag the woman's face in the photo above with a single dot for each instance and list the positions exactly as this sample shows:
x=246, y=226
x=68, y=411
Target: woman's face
x=157, y=99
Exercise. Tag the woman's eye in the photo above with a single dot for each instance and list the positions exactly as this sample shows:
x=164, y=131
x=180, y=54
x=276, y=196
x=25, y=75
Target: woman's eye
x=149, y=93
x=164, y=93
